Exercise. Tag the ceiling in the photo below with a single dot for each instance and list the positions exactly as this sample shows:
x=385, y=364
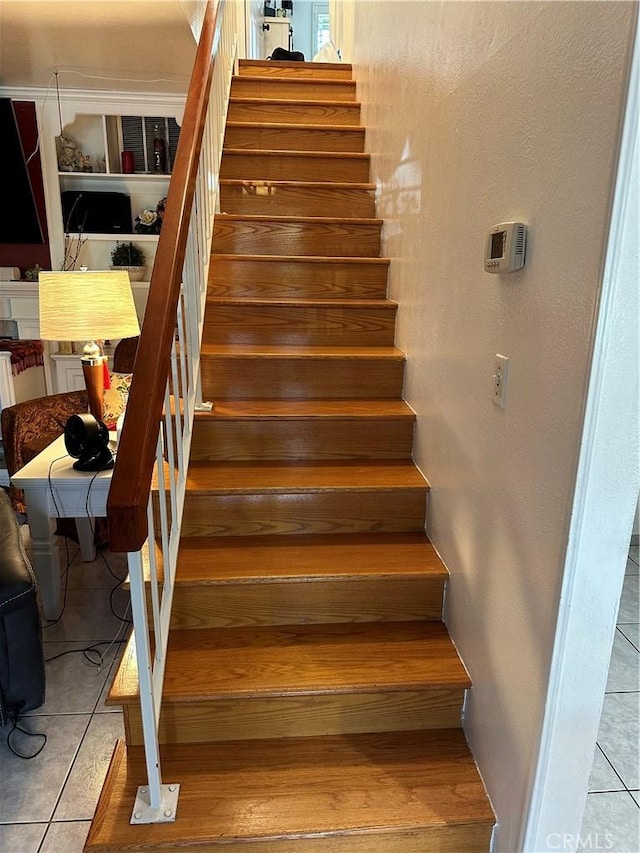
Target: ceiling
x=146, y=45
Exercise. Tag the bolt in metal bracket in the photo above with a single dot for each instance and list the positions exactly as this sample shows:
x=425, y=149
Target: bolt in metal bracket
x=143, y=813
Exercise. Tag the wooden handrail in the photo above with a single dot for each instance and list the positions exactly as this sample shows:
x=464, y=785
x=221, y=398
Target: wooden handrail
x=131, y=483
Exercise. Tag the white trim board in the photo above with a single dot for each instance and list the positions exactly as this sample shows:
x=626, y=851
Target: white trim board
x=603, y=509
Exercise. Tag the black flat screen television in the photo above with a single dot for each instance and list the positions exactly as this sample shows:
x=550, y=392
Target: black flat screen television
x=19, y=220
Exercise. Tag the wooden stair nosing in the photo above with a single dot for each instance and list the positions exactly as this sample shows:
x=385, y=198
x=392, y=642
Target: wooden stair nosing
x=326, y=353
x=344, y=304
x=301, y=259
x=307, y=409
x=280, y=102
x=279, y=126
x=406, y=792
x=353, y=156
x=308, y=88
x=329, y=185
x=293, y=220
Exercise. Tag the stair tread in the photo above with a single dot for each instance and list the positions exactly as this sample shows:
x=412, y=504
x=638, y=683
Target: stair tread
x=255, y=477
x=301, y=259
x=278, y=559
x=274, y=125
x=259, y=78
x=311, y=155
x=304, y=409
x=293, y=64
x=288, y=660
x=303, y=352
x=276, y=102
x=285, y=790
x=342, y=185
x=345, y=304
x=311, y=220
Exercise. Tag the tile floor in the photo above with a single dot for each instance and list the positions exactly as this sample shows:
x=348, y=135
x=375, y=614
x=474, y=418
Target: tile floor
x=47, y=803
x=612, y=816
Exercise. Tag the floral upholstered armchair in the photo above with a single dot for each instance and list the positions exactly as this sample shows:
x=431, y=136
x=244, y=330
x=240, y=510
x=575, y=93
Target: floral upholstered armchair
x=29, y=427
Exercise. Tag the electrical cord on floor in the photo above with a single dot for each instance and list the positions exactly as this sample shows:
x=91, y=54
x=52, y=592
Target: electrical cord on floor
x=17, y=727
x=65, y=574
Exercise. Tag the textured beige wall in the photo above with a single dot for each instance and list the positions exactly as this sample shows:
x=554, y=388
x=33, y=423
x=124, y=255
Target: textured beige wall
x=479, y=113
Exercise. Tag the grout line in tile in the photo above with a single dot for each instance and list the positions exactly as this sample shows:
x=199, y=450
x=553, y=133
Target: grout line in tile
x=618, y=628
x=68, y=773
x=613, y=768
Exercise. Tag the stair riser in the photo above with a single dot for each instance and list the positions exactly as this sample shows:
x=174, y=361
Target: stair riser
x=296, y=89
x=288, y=378
x=298, y=325
x=294, y=139
x=302, y=238
x=282, y=438
x=292, y=113
x=445, y=839
x=300, y=716
x=247, y=166
x=253, y=199
x=401, y=510
x=304, y=70
x=230, y=605
x=244, y=277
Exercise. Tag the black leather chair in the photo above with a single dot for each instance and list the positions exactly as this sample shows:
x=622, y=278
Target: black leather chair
x=22, y=677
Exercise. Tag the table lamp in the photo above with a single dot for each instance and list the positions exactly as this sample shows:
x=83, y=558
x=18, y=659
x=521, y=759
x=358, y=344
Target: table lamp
x=88, y=305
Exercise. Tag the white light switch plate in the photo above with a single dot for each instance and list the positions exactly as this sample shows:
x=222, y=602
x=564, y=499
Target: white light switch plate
x=500, y=374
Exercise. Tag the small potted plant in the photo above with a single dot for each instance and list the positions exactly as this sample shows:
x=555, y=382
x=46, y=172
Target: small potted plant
x=129, y=257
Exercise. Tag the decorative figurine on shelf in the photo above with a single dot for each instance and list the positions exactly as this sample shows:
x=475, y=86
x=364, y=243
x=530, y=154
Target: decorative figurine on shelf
x=32, y=273
x=150, y=221
x=70, y=157
x=159, y=150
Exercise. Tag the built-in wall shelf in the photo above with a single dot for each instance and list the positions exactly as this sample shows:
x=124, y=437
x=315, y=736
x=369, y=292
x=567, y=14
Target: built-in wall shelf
x=115, y=176
x=118, y=238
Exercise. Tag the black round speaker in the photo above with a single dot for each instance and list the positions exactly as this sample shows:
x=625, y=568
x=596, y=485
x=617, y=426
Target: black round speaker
x=87, y=440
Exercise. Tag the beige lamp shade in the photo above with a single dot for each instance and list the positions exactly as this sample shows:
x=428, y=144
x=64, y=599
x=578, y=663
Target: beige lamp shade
x=86, y=305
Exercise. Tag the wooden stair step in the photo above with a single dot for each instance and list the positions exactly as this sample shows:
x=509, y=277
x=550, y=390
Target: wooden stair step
x=299, y=660
x=301, y=88
x=294, y=137
x=284, y=477
x=373, y=793
x=298, y=198
x=274, y=68
x=282, y=235
x=339, y=321
x=294, y=277
x=289, y=372
x=264, y=165
x=300, y=680
x=291, y=111
x=279, y=580
x=277, y=560
x=279, y=497
x=303, y=429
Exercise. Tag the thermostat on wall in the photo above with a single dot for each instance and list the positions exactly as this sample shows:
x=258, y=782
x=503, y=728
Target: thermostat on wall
x=505, y=247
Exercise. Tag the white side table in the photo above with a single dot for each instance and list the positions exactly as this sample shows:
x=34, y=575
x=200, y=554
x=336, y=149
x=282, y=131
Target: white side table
x=53, y=489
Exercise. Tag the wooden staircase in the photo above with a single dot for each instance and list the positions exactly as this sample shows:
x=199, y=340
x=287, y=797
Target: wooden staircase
x=312, y=695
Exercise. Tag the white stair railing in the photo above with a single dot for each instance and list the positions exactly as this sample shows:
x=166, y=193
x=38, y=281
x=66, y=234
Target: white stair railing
x=152, y=567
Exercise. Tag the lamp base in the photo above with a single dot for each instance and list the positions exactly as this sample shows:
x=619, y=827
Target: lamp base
x=93, y=372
